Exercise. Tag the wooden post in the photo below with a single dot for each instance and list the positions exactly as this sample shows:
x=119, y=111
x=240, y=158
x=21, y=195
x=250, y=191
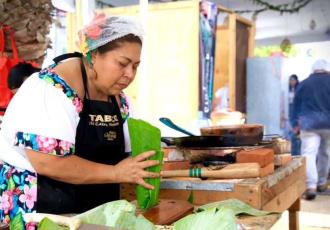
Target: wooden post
x=294, y=215
x=252, y=33
x=232, y=61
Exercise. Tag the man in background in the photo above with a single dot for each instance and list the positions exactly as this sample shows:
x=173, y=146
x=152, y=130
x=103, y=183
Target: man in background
x=311, y=115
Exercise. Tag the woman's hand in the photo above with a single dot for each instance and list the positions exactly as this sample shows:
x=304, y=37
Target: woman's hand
x=131, y=169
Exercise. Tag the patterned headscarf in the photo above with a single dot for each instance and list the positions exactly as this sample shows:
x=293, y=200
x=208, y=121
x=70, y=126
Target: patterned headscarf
x=102, y=30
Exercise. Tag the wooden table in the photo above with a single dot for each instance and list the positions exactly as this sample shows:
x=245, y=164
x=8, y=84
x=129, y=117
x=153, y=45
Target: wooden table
x=278, y=192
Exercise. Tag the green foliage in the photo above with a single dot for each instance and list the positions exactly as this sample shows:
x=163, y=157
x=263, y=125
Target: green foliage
x=217, y=216
x=191, y=197
x=223, y=219
x=47, y=224
x=268, y=51
x=237, y=206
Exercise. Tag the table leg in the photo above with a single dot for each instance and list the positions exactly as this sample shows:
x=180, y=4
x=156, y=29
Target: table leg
x=294, y=215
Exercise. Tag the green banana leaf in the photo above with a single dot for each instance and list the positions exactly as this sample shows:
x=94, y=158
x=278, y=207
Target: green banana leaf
x=237, y=206
x=47, y=224
x=217, y=215
x=119, y=213
x=215, y=219
x=145, y=137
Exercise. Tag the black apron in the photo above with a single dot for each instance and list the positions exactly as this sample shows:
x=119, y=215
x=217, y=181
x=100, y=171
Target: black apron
x=99, y=138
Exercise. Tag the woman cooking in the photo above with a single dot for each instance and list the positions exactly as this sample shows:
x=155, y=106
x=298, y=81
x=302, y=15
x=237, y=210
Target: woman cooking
x=64, y=141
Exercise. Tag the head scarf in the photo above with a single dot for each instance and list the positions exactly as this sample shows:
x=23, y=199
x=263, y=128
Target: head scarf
x=102, y=30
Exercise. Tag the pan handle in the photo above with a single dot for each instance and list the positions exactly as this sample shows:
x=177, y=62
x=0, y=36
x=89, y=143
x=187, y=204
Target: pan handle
x=168, y=140
x=269, y=136
x=169, y=123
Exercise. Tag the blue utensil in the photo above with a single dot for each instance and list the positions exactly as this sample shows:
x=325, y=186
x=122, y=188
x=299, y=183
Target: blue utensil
x=169, y=123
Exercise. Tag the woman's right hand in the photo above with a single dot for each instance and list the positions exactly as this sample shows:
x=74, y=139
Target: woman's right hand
x=131, y=169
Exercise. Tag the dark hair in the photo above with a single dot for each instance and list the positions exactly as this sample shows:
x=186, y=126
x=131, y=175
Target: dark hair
x=293, y=77
x=117, y=42
x=19, y=73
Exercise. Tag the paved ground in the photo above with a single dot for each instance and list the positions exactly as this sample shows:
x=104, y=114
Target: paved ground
x=314, y=215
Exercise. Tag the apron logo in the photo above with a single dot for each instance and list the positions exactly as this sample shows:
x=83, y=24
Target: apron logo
x=110, y=136
x=103, y=120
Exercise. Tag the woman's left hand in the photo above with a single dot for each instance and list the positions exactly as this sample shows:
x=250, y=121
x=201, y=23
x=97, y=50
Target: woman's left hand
x=132, y=169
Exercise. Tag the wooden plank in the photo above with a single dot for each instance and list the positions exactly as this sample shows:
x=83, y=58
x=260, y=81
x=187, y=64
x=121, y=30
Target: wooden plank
x=249, y=193
x=252, y=34
x=285, y=199
x=242, y=49
x=224, y=9
x=232, y=61
x=221, y=70
x=244, y=20
x=269, y=193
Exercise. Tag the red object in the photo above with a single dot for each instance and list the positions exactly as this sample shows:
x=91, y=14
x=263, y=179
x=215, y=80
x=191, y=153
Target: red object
x=176, y=165
x=267, y=170
x=6, y=63
x=263, y=156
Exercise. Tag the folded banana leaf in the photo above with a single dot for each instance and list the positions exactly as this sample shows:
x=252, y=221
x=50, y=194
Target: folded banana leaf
x=145, y=137
x=219, y=215
x=237, y=206
x=47, y=224
x=119, y=214
x=215, y=219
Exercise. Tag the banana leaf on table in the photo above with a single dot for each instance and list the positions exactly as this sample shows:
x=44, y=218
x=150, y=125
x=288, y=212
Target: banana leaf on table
x=219, y=215
x=222, y=219
x=47, y=224
x=119, y=214
x=237, y=206
x=145, y=137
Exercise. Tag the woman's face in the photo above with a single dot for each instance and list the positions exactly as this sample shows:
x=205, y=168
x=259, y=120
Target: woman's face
x=116, y=69
x=293, y=82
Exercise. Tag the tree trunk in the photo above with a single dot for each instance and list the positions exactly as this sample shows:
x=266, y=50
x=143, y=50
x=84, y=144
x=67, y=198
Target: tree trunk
x=31, y=21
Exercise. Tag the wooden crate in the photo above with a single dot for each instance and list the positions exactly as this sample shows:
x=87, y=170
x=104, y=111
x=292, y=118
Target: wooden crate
x=276, y=193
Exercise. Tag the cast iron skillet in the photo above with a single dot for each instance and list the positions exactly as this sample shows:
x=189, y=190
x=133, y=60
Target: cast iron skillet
x=213, y=141
x=227, y=140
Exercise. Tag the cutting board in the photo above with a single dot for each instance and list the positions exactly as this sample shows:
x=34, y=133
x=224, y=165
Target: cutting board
x=167, y=211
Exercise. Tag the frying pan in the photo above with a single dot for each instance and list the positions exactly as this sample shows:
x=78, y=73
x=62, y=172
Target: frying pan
x=226, y=140
x=213, y=141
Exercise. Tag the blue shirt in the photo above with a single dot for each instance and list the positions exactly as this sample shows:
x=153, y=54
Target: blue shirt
x=311, y=106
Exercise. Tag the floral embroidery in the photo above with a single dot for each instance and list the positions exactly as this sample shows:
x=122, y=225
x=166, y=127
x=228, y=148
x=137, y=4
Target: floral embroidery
x=44, y=144
x=18, y=195
x=52, y=78
x=124, y=108
x=29, y=197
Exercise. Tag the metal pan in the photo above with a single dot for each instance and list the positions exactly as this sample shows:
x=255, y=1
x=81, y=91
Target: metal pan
x=213, y=141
